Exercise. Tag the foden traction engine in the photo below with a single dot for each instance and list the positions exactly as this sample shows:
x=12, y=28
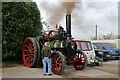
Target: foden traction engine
x=64, y=49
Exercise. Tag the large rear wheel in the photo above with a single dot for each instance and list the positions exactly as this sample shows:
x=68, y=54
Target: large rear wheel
x=29, y=52
x=79, y=60
x=58, y=62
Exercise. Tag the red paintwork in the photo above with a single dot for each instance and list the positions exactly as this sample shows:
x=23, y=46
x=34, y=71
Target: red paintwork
x=78, y=61
x=56, y=64
x=28, y=52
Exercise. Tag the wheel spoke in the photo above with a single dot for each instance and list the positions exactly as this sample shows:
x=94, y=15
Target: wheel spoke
x=58, y=59
x=26, y=50
x=29, y=52
x=53, y=59
x=30, y=43
x=31, y=57
x=26, y=46
x=78, y=61
x=59, y=64
x=53, y=65
x=27, y=59
x=56, y=63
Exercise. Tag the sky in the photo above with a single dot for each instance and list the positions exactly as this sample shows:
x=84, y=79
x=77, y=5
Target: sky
x=86, y=14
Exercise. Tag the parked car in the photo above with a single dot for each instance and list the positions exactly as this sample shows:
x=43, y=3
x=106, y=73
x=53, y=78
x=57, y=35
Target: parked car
x=105, y=54
x=114, y=52
x=87, y=48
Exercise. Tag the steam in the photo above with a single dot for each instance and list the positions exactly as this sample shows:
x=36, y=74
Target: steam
x=56, y=11
x=69, y=6
x=53, y=11
x=85, y=15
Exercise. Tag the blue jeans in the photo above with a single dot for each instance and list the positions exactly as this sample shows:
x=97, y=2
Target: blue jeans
x=48, y=61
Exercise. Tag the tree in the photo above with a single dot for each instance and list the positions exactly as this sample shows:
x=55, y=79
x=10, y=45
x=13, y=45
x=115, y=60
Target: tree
x=19, y=20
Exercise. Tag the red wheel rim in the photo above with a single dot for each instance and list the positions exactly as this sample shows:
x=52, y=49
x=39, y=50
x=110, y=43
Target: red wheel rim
x=78, y=61
x=28, y=52
x=56, y=63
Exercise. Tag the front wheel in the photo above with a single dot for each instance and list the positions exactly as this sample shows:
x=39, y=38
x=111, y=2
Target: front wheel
x=58, y=64
x=79, y=60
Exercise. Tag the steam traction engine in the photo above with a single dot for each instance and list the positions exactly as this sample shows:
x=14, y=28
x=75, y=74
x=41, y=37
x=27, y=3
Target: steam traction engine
x=64, y=49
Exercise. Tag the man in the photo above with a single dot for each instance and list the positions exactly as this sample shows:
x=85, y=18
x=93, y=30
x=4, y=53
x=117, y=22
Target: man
x=45, y=54
x=62, y=33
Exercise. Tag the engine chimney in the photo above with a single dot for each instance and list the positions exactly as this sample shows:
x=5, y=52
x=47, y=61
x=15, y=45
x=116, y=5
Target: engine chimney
x=68, y=25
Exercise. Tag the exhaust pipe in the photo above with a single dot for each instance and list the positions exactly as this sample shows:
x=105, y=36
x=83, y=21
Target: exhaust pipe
x=68, y=25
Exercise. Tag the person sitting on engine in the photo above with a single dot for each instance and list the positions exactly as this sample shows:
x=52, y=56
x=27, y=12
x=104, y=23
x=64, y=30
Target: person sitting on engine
x=61, y=33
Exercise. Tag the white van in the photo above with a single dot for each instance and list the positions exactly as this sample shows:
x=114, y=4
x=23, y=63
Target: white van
x=87, y=48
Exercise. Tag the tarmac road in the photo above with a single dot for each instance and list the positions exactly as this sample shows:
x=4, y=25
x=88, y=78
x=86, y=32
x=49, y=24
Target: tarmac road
x=108, y=70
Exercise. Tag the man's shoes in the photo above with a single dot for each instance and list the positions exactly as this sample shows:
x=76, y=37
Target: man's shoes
x=49, y=74
x=44, y=74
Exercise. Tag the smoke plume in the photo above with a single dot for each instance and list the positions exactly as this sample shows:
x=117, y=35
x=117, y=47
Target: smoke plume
x=85, y=15
x=56, y=11
x=68, y=6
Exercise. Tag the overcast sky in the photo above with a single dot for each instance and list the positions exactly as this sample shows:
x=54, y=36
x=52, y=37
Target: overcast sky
x=85, y=16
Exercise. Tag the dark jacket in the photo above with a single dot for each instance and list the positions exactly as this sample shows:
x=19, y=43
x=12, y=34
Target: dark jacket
x=45, y=52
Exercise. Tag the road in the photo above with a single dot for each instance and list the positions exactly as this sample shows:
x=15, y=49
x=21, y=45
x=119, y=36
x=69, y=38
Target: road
x=108, y=70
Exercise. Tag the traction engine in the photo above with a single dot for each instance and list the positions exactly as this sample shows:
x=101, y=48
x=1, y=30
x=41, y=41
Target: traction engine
x=63, y=46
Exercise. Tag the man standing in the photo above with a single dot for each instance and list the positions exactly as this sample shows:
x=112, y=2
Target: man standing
x=45, y=54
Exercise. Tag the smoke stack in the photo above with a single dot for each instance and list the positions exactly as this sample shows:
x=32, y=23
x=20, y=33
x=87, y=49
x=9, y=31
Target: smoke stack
x=68, y=25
